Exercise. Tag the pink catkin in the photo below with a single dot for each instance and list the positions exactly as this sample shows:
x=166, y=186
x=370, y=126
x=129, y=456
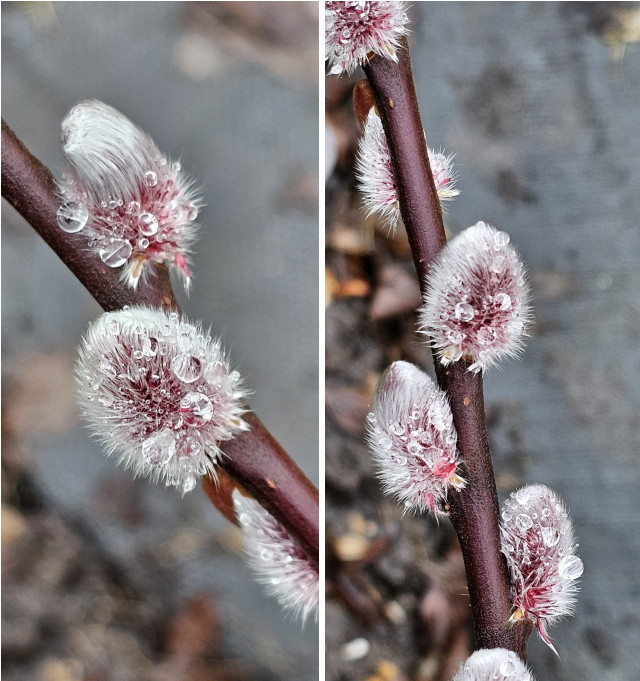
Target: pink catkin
x=375, y=173
x=477, y=300
x=278, y=561
x=132, y=203
x=538, y=543
x=159, y=393
x=355, y=29
x=412, y=439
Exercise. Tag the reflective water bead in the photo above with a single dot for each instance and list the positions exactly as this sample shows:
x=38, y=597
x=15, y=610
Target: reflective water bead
x=142, y=243
x=148, y=224
x=500, y=240
x=186, y=367
x=115, y=253
x=150, y=347
x=244, y=519
x=570, y=567
x=107, y=368
x=486, y=335
x=464, y=312
x=196, y=409
x=133, y=208
x=176, y=167
x=516, y=327
x=150, y=178
x=72, y=217
x=503, y=300
x=159, y=448
x=550, y=536
x=523, y=521
x=189, y=484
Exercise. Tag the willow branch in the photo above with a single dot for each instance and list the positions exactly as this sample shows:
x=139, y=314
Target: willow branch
x=254, y=458
x=474, y=511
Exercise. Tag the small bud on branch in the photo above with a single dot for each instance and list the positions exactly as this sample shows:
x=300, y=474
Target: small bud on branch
x=496, y=664
x=376, y=178
x=279, y=562
x=158, y=392
x=477, y=301
x=354, y=29
x=412, y=438
x=134, y=205
x=538, y=542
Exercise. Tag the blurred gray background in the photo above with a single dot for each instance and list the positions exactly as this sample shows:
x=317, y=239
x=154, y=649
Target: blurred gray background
x=540, y=102
x=232, y=90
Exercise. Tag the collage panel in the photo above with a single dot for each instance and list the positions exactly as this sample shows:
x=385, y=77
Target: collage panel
x=482, y=416
x=197, y=125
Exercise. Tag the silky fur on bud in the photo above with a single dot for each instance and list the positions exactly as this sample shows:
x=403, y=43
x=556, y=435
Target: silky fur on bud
x=538, y=543
x=412, y=439
x=353, y=30
x=495, y=664
x=276, y=558
x=159, y=393
x=376, y=178
x=477, y=301
x=134, y=205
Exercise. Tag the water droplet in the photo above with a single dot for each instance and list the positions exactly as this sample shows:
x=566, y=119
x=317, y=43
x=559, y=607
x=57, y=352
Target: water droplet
x=385, y=443
x=115, y=253
x=107, y=368
x=371, y=417
x=570, y=567
x=196, y=409
x=523, y=521
x=148, y=224
x=72, y=217
x=189, y=484
x=193, y=212
x=244, y=519
x=150, y=178
x=522, y=496
x=486, y=335
x=455, y=336
x=150, y=347
x=133, y=208
x=106, y=399
x=503, y=300
x=266, y=554
x=187, y=368
x=159, y=448
x=142, y=243
x=176, y=167
x=500, y=240
x=113, y=327
x=550, y=536
x=178, y=212
x=113, y=204
x=464, y=312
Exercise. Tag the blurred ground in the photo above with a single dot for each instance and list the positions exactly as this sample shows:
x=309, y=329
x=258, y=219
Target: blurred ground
x=105, y=578
x=540, y=102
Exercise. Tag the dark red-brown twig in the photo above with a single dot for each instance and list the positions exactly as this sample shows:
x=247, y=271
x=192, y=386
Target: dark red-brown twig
x=254, y=458
x=474, y=511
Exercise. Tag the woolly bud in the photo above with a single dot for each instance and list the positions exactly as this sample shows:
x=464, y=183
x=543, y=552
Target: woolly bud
x=354, y=29
x=278, y=561
x=477, y=300
x=134, y=205
x=376, y=178
x=496, y=664
x=412, y=439
x=537, y=540
x=159, y=393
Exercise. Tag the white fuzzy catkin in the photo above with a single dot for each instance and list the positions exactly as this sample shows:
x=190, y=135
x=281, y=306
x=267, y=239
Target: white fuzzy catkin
x=375, y=175
x=412, y=439
x=354, y=29
x=477, y=300
x=135, y=206
x=278, y=561
x=538, y=543
x=159, y=393
x=496, y=664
